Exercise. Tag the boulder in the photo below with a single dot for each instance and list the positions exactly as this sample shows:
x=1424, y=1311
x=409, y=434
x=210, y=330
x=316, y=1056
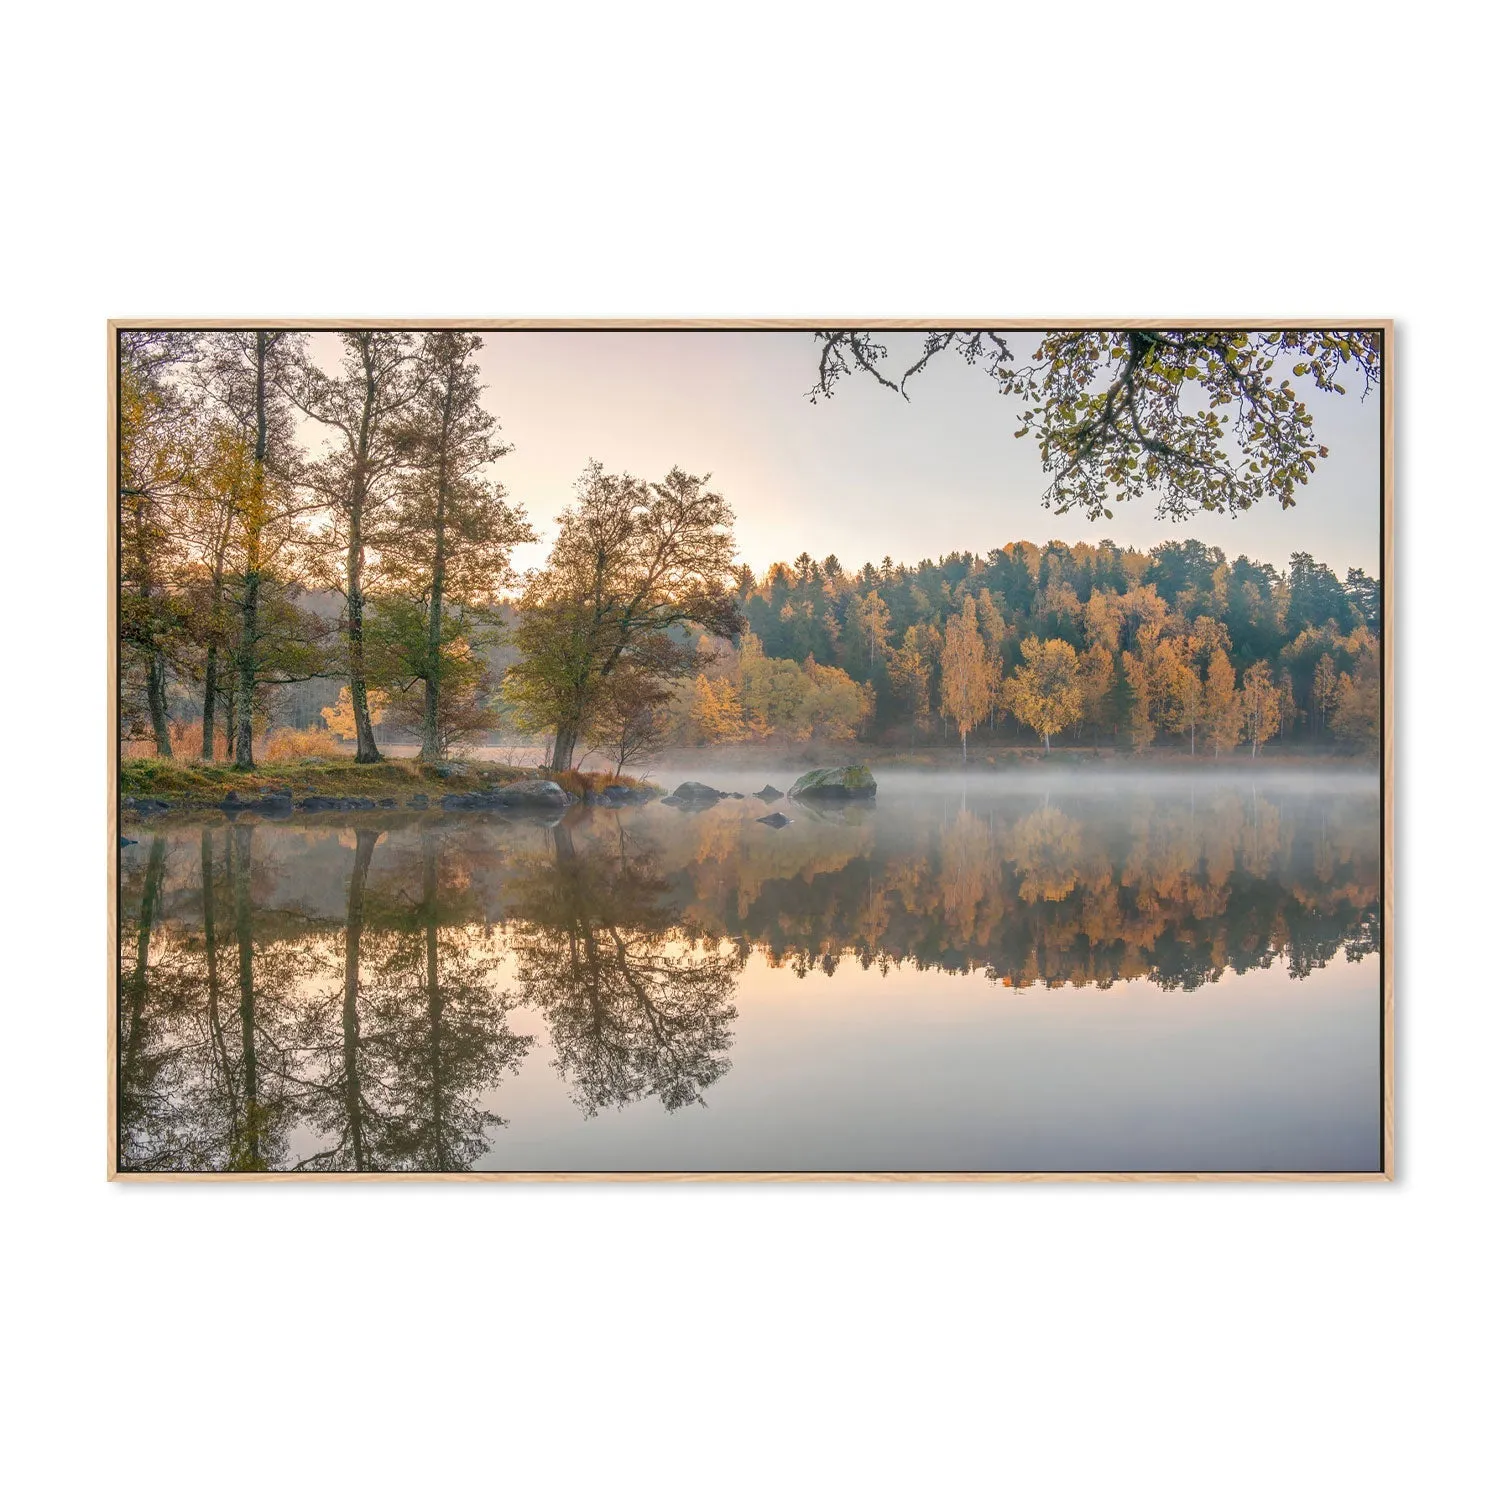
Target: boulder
x=628, y=796
x=387, y=802
x=145, y=806
x=695, y=791
x=836, y=781
x=418, y=800
x=335, y=804
x=768, y=793
x=528, y=794
x=531, y=793
x=774, y=820
x=273, y=804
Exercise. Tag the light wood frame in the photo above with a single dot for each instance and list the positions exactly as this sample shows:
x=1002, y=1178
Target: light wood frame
x=1384, y=326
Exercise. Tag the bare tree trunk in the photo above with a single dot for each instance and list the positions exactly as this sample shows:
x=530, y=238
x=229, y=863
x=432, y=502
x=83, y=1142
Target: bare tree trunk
x=210, y=697
x=244, y=742
x=244, y=746
x=365, y=749
x=229, y=714
x=431, y=750
x=563, y=746
x=211, y=661
x=156, y=701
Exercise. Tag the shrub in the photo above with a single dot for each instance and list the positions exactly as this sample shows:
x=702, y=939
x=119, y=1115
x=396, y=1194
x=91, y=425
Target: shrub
x=299, y=744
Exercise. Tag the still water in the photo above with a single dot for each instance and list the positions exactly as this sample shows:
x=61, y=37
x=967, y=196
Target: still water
x=1017, y=971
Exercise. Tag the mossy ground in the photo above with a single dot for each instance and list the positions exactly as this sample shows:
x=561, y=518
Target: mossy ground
x=195, y=784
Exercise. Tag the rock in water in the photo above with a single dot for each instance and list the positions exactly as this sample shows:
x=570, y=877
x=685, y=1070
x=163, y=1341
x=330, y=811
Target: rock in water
x=837, y=781
x=533, y=794
x=529, y=794
x=695, y=791
x=774, y=820
x=768, y=793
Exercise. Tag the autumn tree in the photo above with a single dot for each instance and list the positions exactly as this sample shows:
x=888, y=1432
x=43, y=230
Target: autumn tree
x=632, y=563
x=1261, y=702
x=1096, y=687
x=871, y=618
x=1223, y=711
x=275, y=640
x=367, y=407
x=211, y=516
x=1188, y=695
x=631, y=722
x=446, y=538
x=714, y=711
x=910, y=669
x=338, y=716
x=1044, y=693
x=155, y=465
x=1197, y=419
x=1325, y=687
x=1356, y=708
x=969, y=676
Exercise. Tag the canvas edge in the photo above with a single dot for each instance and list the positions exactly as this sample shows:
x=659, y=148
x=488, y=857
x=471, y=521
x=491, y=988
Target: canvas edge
x=112, y=738
x=1386, y=326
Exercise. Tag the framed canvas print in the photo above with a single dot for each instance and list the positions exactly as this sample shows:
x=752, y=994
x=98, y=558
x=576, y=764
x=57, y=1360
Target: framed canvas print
x=882, y=749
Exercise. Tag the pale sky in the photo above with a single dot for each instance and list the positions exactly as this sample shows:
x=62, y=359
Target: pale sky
x=865, y=474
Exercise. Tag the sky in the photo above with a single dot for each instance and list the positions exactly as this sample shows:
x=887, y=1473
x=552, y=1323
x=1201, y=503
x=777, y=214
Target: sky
x=864, y=475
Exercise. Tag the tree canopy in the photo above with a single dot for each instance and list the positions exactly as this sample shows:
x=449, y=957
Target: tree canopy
x=1201, y=420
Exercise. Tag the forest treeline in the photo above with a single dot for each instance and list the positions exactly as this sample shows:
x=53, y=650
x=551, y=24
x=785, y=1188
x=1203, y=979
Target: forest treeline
x=1099, y=643
x=289, y=519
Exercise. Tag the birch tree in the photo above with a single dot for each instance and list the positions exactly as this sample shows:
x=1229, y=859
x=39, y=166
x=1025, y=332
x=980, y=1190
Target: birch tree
x=366, y=408
x=969, y=676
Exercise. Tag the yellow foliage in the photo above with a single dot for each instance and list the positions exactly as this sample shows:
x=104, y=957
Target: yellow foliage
x=339, y=717
x=298, y=744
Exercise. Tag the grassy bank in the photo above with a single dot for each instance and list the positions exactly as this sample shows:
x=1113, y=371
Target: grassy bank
x=198, y=784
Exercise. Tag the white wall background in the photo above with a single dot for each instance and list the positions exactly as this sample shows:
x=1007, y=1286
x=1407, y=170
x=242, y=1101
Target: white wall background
x=777, y=159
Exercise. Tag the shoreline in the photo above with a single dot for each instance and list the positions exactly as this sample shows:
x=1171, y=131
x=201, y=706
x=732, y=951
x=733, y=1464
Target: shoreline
x=150, y=787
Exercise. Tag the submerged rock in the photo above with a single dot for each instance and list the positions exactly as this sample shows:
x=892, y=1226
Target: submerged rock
x=768, y=793
x=774, y=820
x=836, y=781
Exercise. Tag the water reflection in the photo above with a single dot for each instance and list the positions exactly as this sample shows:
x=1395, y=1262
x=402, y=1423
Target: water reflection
x=355, y=998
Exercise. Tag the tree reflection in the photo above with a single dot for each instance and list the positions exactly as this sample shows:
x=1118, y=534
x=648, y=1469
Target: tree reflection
x=417, y=1034
x=331, y=999
x=636, y=1007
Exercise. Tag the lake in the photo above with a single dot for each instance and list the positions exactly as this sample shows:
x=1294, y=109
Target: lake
x=1024, y=970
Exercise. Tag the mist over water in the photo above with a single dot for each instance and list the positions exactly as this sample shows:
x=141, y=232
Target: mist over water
x=1015, y=968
